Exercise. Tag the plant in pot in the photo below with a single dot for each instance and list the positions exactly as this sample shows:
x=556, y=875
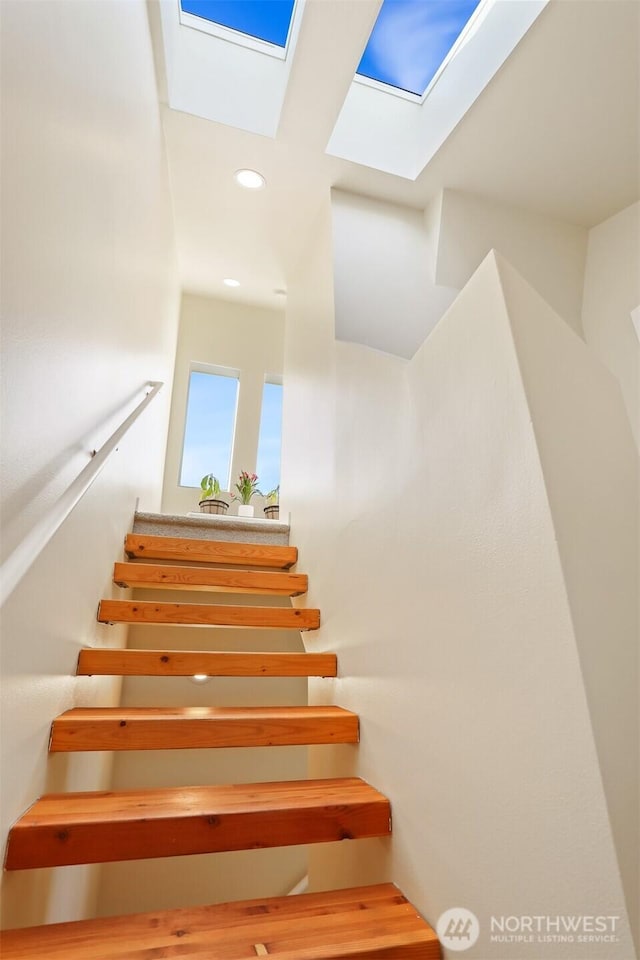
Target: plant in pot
x=272, y=508
x=247, y=487
x=211, y=500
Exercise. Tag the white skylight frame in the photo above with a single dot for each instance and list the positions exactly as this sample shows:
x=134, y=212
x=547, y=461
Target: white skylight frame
x=387, y=88
x=381, y=127
x=224, y=75
x=466, y=33
x=243, y=39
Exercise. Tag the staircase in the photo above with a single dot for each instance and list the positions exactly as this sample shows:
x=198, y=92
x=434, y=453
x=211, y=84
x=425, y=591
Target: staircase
x=99, y=827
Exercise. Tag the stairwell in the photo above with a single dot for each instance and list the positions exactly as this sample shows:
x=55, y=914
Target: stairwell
x=120, y=825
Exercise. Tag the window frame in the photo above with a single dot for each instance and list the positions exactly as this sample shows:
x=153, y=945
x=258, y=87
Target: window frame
x=275, y=380
x=216, y=370
x=470, y=27
x=194, y=22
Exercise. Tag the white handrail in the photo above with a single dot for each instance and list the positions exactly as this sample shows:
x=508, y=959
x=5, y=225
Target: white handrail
x=17, y=563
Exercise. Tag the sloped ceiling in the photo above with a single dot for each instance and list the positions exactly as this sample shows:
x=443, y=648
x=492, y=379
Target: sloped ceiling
x=556, y=131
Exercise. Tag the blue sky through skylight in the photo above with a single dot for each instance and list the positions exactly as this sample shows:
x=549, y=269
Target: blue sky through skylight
x=208, y=434
x=410, y=40
x=265, y=19
x=268, y=468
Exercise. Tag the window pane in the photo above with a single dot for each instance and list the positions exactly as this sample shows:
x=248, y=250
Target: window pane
x=208, y=434
x=410, y=40
x=265, y=19
x=268, y=468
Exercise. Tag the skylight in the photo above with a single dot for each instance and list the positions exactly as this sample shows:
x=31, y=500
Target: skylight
x=411, y=40
x=267, y=21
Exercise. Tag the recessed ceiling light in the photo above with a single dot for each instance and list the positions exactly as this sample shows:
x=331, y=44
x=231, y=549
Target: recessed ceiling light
x=200, y=677
x=250, y=179
x=228, y=282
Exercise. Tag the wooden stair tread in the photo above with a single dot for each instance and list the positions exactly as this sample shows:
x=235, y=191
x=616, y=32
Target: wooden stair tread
x=187, y=663
x=172, y=728
x=170, y=577
x=362, y=923
x=207, y=614
x=98, y=827
x=209, y=551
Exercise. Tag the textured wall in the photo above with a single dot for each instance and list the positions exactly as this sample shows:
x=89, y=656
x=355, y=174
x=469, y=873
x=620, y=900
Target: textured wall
x=89, y=304
x=443, y=592
x=548, y=252
x=397, y=270
x=611, y=292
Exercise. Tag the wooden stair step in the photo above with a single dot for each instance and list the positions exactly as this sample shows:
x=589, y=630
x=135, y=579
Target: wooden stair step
x=175, y=728
x=188, y=663
x=99, y=827
x=209, y=551
x=361, y=923
x=207, y=614
x=165, y=576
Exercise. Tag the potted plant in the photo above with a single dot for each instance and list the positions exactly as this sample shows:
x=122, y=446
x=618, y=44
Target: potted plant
x=272, y=508
x=247, y=487
x=211, y=501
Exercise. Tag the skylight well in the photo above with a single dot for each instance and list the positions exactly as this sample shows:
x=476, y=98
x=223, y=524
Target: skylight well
x=266, y=22
x=230, y=60
x=411, y=41
x=435, y=57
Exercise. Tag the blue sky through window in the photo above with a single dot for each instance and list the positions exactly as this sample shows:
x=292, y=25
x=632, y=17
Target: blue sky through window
x=268, y=468
x=410, y=40
x=265, y=19
x=208, y=435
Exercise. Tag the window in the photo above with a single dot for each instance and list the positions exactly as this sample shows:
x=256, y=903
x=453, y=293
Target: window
x=209, y=427
x=267, y=20
x=411, y=39
x=269, y=443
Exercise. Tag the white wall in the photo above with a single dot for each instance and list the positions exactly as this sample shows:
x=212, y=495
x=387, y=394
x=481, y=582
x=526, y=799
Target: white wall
x=90, y=307
x=383, y=276
x=549, y=253
x=240, y=336
x=591, y=476
x=418, y=502
x=396, y=270
x=611, y=292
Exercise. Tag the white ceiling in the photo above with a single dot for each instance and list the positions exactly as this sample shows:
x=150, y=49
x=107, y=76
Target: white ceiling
x=555, y=131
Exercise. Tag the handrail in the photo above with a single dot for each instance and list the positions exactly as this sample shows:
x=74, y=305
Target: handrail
x=33, y=543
